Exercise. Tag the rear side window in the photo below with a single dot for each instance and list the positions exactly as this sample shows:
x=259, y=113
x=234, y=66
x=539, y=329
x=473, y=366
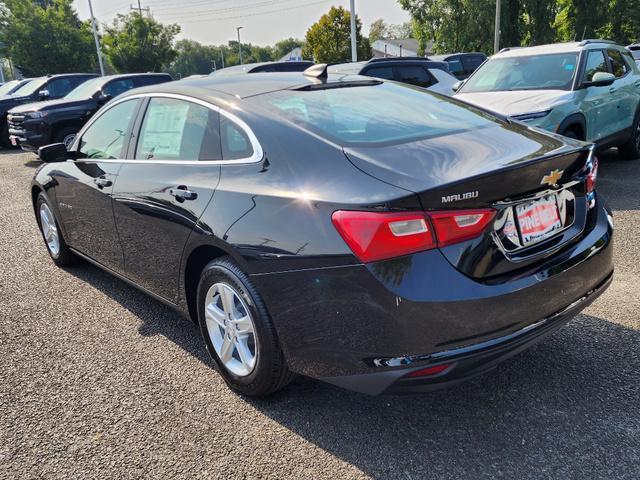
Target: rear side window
x=175, y=129
x=414, y=75
x=105, y=138
x=471, y=63
x=235, y=142
x=619, y=68
x=380, y=72
x=117, y=87
x=455, y=65
x=373, y=114
x=595, y=63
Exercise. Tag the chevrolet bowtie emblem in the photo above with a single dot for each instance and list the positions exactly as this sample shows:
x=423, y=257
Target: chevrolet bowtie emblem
x=552, y=178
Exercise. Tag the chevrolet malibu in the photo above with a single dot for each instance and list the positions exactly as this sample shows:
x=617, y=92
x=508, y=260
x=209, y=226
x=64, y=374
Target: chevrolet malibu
x=369, y=234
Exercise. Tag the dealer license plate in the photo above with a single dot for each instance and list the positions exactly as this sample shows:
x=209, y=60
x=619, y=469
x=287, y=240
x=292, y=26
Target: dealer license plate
x=538, y=220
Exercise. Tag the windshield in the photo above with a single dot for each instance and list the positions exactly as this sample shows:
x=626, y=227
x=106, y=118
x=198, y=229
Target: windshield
x=6, y=88
x=539, y=72
x=85, y=90
x=636, y=53
x=31, y=87
x=373, y=114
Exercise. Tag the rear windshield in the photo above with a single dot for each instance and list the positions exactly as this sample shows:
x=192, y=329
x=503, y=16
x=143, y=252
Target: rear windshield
x=373, y=114
x=535, y=72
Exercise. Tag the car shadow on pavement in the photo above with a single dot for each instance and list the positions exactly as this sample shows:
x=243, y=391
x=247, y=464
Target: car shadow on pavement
x=613, y=181
x=554, y=410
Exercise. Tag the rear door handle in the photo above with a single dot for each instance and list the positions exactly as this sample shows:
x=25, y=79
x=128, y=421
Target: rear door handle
x=182, y=193
x=102, y=182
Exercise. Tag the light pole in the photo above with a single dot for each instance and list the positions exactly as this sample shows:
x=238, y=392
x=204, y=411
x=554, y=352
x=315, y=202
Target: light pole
x=239, y=44
x=496, y=38
x=354, y=46
x=95, y=37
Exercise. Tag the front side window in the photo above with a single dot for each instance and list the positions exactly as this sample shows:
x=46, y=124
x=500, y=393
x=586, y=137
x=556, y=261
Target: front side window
x=85, y=90
x=117, y=87
x=414, y=75
x=595, y=63
x=535, y=72
x=175, y=129
x=619, y=68
x=60, y=87
x=373, y=114
x=105, y=138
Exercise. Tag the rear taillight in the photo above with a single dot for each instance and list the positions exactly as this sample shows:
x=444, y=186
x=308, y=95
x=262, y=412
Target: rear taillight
x=591, y=169
x=455, y=227
x=374, y=236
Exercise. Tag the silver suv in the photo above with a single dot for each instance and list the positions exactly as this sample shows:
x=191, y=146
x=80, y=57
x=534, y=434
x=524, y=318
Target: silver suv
x=588, y=90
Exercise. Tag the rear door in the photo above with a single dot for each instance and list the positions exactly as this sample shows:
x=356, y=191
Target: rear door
x=84, y=186
x=414, y=75
x=164, y=187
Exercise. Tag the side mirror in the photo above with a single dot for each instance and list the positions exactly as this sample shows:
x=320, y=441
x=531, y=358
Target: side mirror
x=53, y=153
x=44, y=93
x=104, y=97
x=600, y=79
x=456, y=86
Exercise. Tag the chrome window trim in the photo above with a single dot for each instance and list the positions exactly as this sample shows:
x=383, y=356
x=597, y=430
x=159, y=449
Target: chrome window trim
x=258, y=153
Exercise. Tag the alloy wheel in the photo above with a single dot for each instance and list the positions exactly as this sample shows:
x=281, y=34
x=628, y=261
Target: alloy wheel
x=49, y=229
x=68, y=139
x=231, y=329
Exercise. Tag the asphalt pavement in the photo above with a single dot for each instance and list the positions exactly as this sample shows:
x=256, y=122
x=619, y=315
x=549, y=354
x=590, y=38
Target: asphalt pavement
x=98, y=380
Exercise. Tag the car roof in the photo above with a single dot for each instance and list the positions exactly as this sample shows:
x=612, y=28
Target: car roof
x=568, y=47
x=446, y=56
x=252, y=67
x=242, y=86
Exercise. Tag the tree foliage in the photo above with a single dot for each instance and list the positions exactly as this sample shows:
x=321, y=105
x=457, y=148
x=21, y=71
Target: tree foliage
x=329, y=39
x=46, y=39
x=135, y=43
x=467, y=25
x=381, y=30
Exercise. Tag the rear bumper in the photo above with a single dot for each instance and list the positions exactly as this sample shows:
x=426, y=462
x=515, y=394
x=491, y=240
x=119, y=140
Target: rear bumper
x=366, y=327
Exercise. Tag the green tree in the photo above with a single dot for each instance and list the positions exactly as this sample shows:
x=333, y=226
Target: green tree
x=329, y=39
x=378, y=30
x=46, y=39
x=284, y=47
x=138, y=44
x=192, y=58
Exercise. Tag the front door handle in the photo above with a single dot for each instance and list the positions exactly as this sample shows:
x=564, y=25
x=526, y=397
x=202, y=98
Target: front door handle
x=102, y=182
x=613, y=90
x=182, y=193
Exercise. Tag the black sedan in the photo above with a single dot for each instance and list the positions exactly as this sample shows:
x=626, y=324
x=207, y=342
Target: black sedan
x=369, y=234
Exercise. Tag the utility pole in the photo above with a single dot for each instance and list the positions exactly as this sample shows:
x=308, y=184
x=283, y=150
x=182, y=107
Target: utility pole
x=140, y=9
x=222, y=56
x=354, y=45
x=95, y=37
x=239, y=44
x=496, y=37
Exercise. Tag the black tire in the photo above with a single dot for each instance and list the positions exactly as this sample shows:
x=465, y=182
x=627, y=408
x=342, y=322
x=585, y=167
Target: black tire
x=4, y=136
x=64, y=257
x=631, y=149
x=270, y=372
x=572, y=133
x=61, y=134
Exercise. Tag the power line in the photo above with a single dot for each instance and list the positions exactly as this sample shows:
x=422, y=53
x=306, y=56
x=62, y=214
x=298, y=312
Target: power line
x=200, y=13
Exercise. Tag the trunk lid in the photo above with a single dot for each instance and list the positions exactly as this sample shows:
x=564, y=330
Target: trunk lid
x=505, y=167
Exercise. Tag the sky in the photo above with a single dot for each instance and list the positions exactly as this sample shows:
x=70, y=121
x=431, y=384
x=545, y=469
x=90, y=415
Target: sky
x=264, y=22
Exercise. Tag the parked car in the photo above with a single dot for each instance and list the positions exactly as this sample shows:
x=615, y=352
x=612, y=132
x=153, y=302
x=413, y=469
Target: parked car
x=39, y=89
x=411, y=70
x=634, y=48
x=297, y=66
x=36, y=124
x=326, y=225
x=588, y=90
x=461, y=65
x=12, y=85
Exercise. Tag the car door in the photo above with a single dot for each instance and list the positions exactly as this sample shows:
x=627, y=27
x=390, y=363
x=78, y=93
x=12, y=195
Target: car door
x=598, y=104
x=164, y=187
x=84, y=186
x=623, y=92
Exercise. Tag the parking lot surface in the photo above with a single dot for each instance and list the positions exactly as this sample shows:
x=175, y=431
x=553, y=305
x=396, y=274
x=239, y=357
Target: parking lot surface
x=98, y=380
